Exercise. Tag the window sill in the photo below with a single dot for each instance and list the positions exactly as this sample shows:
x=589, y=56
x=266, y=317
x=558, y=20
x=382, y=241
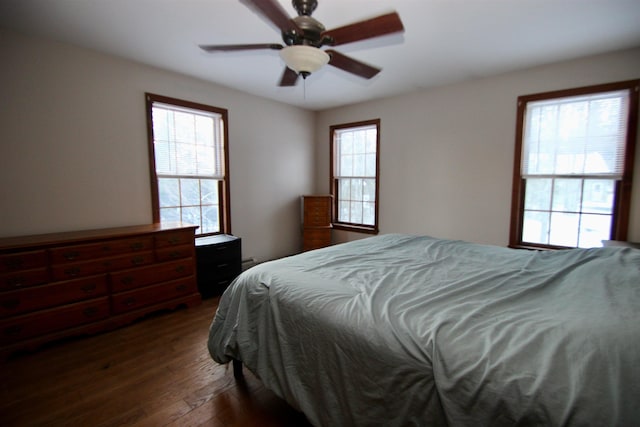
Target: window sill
x=355, y=228
x=537, y=248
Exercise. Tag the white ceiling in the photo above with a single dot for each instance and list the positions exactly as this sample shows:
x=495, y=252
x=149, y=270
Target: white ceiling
x=445, y=41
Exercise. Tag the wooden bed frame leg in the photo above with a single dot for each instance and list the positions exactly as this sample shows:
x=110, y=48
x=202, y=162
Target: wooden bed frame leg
x=237, y=369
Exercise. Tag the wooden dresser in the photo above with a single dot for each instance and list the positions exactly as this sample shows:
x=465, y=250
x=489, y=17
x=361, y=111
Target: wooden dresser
x=63, y=284
x=316, y=222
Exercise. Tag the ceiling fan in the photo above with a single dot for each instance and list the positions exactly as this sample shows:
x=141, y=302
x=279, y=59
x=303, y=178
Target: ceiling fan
x=304, y=36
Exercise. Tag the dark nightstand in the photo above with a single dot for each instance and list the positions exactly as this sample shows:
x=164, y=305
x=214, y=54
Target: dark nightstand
x=218, y=261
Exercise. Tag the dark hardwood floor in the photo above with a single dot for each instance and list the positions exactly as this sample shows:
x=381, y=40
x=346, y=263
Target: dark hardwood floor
x=156, y=372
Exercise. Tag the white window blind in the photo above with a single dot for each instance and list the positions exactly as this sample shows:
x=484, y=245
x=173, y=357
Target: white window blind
x=576, y=136
x=356, y=148
x=188, y=142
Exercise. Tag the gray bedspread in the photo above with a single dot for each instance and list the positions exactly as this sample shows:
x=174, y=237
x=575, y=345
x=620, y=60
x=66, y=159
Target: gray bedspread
x=411, y=330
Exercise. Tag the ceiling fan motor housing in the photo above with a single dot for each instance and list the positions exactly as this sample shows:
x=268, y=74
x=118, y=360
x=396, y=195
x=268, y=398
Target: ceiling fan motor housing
x=312, y=28
x=311, y=35
x=305, y=7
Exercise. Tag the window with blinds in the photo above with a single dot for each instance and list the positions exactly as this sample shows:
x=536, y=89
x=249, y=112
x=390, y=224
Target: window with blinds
x=575, y=152
x=188, y=147
x=354, y=175
x=576, y=136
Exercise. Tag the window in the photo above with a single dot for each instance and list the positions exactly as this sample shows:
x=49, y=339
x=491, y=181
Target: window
x=354, y=175
x=189, y=163
x=574, y=166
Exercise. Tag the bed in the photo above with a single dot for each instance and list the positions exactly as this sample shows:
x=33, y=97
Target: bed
x=404, y=330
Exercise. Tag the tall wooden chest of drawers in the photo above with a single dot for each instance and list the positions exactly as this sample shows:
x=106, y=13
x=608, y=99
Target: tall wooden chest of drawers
x=316, y=222
x=219, y=261
x=63, y=284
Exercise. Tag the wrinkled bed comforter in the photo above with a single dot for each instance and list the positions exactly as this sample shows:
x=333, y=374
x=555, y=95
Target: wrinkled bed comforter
x=411, y=330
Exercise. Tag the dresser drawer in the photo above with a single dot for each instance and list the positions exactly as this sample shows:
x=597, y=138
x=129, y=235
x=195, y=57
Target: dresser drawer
x=22, y=261
x=132, y=300
x=315, y=238
x=23, y=279
x=109, y=248
x=39, y=297
x=317, y=220
x=89, y=268
x=19, y=328
x=223, y=253
x=317, y=211
x=174, y=238
x=212, y=284
x=136, y=278
x=219, y=269
x=176, y=252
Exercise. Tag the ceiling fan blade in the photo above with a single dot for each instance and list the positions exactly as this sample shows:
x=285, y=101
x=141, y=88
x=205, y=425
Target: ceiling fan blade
x=350, y=65
x=231, y=47
x=374, y=27
x=289, y=77
x=274, y=12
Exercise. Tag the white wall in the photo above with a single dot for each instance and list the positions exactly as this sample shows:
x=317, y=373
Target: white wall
x=73, y=153
x=447, y=153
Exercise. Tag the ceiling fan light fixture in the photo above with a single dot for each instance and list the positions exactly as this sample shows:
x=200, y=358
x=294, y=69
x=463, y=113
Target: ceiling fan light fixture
x=304, y=60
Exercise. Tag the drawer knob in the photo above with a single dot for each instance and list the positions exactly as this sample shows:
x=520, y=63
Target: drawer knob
x=89, y=288
x=13, y=330
x=73, y=272
x=137, y=260
x=181, y=287
x=10, y=304
x=14, y=263
x=180, y=269
x=174, y=240
x=129, y=301
x=126, y=280
x=71, y=255
x=90, y=311
x=137, y=246
x=16, y=282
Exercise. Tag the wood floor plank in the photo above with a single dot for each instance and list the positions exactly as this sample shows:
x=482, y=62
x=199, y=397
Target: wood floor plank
x=156, y=372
